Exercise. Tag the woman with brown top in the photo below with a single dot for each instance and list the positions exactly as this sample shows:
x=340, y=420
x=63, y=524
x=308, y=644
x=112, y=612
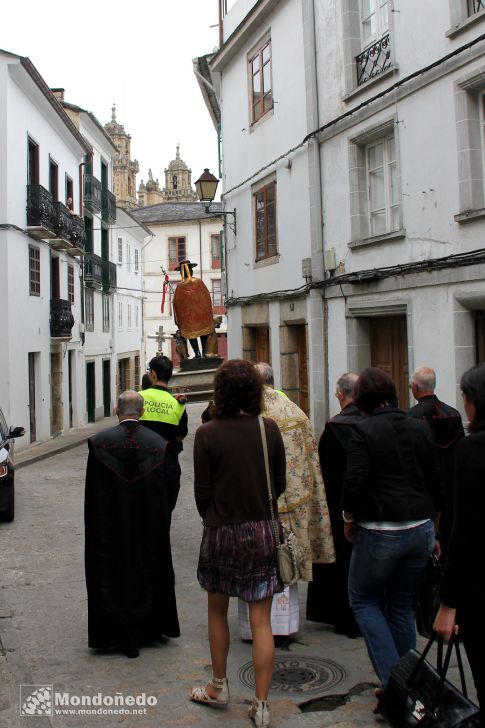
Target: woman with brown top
x=238, y=549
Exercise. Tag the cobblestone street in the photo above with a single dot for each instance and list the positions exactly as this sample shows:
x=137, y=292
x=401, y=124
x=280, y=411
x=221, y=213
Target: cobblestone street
x=44, y=632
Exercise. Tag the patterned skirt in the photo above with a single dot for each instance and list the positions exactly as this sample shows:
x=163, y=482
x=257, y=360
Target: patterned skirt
x=239, y=559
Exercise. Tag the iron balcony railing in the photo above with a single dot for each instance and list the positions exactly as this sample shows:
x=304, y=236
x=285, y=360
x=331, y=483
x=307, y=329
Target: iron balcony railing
x=475, y=6
x=41, y=211
x=92, y=192
x=78, y=232
x=109, y=206
x=62, y=319
x=109, y=276
x=63, y=221
x=93, y=270
x=374, y=60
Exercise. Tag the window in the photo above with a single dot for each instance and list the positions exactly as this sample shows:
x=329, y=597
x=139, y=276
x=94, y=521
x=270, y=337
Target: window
x=375, y=198
x=474, y=6
x=470, y=133
x=128, y=257
x=382, y=187
x=137, y=260
x=217, y=300
x=120, y=314
x=33, y=164
x=128, y=315
x=136, y=316
x=106, y=300
x=374, y=20
x=265, y=221
x=34, y=270
x=176, y=252
x=70, y=283
x=69, y=193
x=53, y=179
x=88, y=226
x=89, y=308
x=261, y=82
x=216, y=251
x=120, y=250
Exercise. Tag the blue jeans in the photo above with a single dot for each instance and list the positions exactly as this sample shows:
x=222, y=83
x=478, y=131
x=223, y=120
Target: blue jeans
x=385, y=569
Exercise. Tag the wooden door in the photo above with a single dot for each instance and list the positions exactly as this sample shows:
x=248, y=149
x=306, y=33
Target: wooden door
x=91, y=391
x=389, y=351
x=107, y=387
x=262, y=344
x=33, y=429
x=303, y=369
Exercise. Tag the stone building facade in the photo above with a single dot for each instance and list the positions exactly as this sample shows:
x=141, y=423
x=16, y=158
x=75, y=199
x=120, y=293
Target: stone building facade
x=178, y=185
x=125, y=169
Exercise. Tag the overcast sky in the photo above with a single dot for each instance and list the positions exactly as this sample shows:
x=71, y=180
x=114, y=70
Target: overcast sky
x=137, y=54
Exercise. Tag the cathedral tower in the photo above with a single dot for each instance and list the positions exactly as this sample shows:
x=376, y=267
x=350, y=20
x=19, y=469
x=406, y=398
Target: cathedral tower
x=124, y=169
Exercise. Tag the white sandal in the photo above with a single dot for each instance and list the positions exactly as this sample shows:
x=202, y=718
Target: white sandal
x=200, y=694
x=259, y=712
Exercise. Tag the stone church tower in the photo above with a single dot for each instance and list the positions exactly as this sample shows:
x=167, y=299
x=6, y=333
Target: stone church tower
x=124, y=169
x=178, y=185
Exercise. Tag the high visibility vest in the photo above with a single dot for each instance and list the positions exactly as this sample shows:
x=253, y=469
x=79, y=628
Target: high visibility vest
x=280, y=392
x=161, y=406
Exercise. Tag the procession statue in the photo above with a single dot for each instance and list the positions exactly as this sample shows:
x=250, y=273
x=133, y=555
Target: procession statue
x=193, y=313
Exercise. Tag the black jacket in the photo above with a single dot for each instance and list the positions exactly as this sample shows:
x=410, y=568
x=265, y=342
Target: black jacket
x=464, y=582
x=392, y=472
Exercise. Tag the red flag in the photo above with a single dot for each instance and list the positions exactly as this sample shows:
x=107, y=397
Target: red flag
x=164, y=291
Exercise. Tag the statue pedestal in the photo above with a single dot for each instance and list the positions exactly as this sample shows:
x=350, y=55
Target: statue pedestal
x=195, y=378
x=200, y=363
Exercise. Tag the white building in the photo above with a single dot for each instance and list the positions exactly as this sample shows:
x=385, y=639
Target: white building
x=181, y=231
x=128, y=300
x=41, y=240
x=362, y=150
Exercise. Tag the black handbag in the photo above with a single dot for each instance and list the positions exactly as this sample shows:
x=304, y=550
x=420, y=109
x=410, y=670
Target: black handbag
x=428, y=596
x=417, y=694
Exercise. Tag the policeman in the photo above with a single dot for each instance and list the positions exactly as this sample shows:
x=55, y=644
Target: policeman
x=167, y=417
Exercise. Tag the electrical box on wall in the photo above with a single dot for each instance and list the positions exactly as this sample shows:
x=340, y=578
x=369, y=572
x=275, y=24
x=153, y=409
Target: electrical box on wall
x=330, y=259
x=306, y=267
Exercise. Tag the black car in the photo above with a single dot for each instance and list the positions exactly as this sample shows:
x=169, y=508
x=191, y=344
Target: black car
x=7, y=488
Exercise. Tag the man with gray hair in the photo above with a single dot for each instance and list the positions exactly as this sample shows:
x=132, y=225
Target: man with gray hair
x=128, y=560
x=328, y=599
x=447, y=428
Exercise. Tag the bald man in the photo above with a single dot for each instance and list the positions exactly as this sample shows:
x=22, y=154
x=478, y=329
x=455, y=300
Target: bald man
x=447, y=428
x=129, y=573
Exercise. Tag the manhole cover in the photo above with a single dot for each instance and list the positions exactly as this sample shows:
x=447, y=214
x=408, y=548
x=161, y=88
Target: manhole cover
x=297, y=674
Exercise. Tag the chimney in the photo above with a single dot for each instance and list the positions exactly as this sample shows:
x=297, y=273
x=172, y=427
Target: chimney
x=58, y=93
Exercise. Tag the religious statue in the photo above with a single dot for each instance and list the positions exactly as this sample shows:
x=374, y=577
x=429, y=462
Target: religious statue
x=192, y=307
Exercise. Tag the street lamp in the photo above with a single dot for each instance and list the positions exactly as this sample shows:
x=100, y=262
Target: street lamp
x=206, y=187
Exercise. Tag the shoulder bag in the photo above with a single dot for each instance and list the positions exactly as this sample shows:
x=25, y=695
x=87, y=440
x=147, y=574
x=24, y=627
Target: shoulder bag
x=287, y=551
x=417, y=694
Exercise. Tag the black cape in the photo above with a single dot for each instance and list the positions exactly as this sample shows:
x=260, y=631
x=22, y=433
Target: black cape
x=129, y=573
x=327, y=599
x=447, y=429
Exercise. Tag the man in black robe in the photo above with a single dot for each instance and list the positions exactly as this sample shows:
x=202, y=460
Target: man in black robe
x=129, y=573
x=447, y=428
x=328, y=598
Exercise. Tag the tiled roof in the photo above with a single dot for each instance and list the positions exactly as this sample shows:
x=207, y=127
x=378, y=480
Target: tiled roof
x=175, y=212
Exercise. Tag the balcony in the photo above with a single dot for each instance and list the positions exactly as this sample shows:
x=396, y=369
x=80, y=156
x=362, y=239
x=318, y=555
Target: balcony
x=109, y=276
x=41, y=213
x=92, y=193
x=374, y=60
x=109, y=206
x=62, y=319
x=93, y=271
x=78, y=235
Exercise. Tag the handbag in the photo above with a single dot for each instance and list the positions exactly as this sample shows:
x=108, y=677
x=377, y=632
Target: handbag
x=287, y=549
x=417, y=694
x=428, y=596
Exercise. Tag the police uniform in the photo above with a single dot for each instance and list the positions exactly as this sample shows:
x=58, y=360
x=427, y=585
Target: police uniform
x=168, y=418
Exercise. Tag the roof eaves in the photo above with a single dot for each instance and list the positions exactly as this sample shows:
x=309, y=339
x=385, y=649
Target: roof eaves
x=37, y=78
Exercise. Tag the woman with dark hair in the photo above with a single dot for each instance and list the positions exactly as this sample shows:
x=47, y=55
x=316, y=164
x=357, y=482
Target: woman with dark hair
x=463, y=592
x=238, y=549
x=391, y=495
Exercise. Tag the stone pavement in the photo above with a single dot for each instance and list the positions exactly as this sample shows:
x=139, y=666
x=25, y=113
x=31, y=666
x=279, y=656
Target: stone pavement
x=43, y=621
